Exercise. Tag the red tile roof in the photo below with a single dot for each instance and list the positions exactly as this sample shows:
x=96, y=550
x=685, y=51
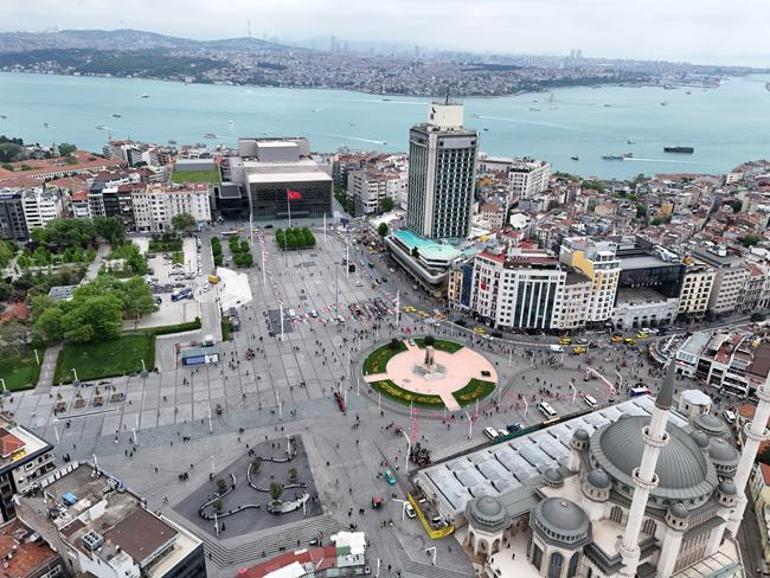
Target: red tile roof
x=9, y=443
x=28, y=558
x=321, y=558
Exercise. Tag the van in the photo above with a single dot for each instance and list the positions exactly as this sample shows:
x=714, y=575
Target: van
x=292, y=313
x=729, y=416
x=547, y=410
x=637, y=391
x=491, y=433
x=556, y=348
x=590, y=401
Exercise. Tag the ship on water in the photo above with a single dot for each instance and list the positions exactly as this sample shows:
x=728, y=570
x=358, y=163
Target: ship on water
x=616, y=157
x=683, y=150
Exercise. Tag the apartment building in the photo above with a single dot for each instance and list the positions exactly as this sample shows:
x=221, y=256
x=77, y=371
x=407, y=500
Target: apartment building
x=155, y=205
x=597, y=260
x=13, y=225
x=24, y=555
x=41, y=206
x=24, y=459
x=102, y=529
x=731, y=275
x=528, y=177
x=697, y=285
x=754, y=293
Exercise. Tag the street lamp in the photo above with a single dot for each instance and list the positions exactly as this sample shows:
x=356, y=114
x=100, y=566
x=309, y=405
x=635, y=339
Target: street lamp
x=470, y=424
x=75, y=373
x=408, y=451
x=403, y=507
x=433, y=550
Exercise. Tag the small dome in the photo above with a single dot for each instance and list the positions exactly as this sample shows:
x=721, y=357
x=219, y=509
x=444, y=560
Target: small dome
x=727, y=488
x=599, y=479
x=487, y=513
x=553, y=477
x=721, y=451
x=678, y=510
x=581, y=435
x=700, y=438
x=562, y=521
x=711, y=425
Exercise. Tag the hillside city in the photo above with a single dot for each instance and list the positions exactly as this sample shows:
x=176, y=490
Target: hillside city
x=269, y=361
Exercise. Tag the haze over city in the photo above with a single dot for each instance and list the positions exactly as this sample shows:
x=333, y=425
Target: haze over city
x=700, y=31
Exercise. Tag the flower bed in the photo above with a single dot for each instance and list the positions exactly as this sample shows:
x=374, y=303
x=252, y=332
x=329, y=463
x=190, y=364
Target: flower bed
x=440, y=345
x=406, y=397
x=475, y=389
x=377, y=360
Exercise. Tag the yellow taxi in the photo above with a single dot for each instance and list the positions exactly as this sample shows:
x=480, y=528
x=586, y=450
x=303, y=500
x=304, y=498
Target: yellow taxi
x=409, y=309
x=565, y=340
x=423, y=314
x=642, y=335
x=617, y=339
x=629, y=341
x=579, y=349
x=479, y=330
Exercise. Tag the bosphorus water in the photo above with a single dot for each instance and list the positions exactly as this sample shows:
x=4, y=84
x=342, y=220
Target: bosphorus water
x=726, y=126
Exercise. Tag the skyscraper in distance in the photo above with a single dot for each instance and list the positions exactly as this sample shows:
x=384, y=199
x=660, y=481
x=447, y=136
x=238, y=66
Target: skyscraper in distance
x=442, y=172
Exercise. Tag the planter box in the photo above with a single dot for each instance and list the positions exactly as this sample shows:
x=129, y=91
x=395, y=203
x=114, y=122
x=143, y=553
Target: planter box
x=80, y=402
x=118, y=396
x=98, y=400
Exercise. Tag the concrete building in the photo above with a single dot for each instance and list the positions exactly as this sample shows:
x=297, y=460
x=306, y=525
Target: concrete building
x=103, y=529
x=736, y=361
x=628, y=490
x=518, y=289
x=528, y=177
x=41, y=206
x=24, y=459
x=155, y=206
x=13, y=225
x=267, y=168
x=754, y=293
x=491, y=216
x=442, y=174
x=730, y=277
x=697, y=285
x=597, y=260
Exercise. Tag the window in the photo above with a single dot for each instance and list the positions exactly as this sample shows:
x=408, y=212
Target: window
x=616, y=514
x=555, y=564
x=537, y=556
x=573, y=565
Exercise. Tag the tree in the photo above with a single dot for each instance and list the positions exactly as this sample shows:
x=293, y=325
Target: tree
x=736, y=205
x=750, y=240
x=256, y=464
x=110, y=229
x=183, y=222
x=93, y=318
x=641, y=211
x=382, y=230
x=292, y=475
x=49, y=325
x=66, y=149
x=387, y=205
x=429, y=340
x=218, y=505
x=137, y=299
x=221, y=485
x=276, y=490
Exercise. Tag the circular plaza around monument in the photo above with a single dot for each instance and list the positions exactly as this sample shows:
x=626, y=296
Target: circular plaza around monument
x=430, y=373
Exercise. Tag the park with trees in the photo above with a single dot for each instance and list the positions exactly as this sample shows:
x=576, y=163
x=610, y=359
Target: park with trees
x=295, y=238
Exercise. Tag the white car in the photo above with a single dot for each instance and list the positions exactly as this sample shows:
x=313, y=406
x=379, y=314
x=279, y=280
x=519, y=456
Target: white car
x=410, y=513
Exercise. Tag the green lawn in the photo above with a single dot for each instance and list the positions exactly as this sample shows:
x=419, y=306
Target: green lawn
x=209, y=177
x=476, y=389
x=19, y=372
x=396, y=393
x=378, y=359
x=440, y=345
x=105, y=358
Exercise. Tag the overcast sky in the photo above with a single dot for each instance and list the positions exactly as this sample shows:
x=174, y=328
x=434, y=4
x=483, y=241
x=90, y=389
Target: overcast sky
x=720, y=31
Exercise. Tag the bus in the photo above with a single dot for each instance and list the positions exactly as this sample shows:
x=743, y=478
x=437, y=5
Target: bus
x=228, y=234
x=637, y=391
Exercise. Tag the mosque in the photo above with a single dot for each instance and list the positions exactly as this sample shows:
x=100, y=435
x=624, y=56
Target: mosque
x=647, y=495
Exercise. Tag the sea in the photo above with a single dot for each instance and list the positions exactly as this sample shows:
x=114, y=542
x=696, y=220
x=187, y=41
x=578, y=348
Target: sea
x=726, y=125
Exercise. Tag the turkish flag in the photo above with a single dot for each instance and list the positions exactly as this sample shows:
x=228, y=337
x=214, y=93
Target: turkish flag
x=293, y=195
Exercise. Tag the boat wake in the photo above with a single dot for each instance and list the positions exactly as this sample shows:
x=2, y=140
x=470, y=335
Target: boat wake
x=673, y=161
x=358, y=139
x=521, y=121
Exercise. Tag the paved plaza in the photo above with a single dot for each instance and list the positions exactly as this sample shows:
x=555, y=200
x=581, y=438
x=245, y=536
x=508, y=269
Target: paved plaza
x=288, y=389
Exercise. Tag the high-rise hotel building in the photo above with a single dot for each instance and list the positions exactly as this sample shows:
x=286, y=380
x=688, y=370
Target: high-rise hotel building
x=442, y=171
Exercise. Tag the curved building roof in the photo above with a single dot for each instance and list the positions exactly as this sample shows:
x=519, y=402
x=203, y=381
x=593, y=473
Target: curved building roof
x=561, y=521
x=684, y=472
x=487, y=514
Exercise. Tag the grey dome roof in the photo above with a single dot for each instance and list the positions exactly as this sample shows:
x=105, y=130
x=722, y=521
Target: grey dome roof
x=581, y=434
x=727, y=488
x=553, y=475
x=678, y=510
x=710, y=424
x=487, y=513
x=683, y=470
x=721, y=451
x=700, y=438
x=562, y=521
x=598, y=479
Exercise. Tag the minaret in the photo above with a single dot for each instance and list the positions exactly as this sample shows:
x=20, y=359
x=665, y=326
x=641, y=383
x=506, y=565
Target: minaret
x=644, y=477
x=755, y=434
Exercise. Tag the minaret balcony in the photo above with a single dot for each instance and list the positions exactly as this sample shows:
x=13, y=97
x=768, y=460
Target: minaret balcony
x=651, y=440
x=645, y=484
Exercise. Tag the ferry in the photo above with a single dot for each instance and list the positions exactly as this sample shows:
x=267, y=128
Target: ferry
x=145, y=95
x=575, y=158
x=614, y=157
x=47, y=125
x=116, y=115
x=684, y=150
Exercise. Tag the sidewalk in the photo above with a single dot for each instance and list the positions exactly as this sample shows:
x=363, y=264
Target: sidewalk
x=48, y=368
